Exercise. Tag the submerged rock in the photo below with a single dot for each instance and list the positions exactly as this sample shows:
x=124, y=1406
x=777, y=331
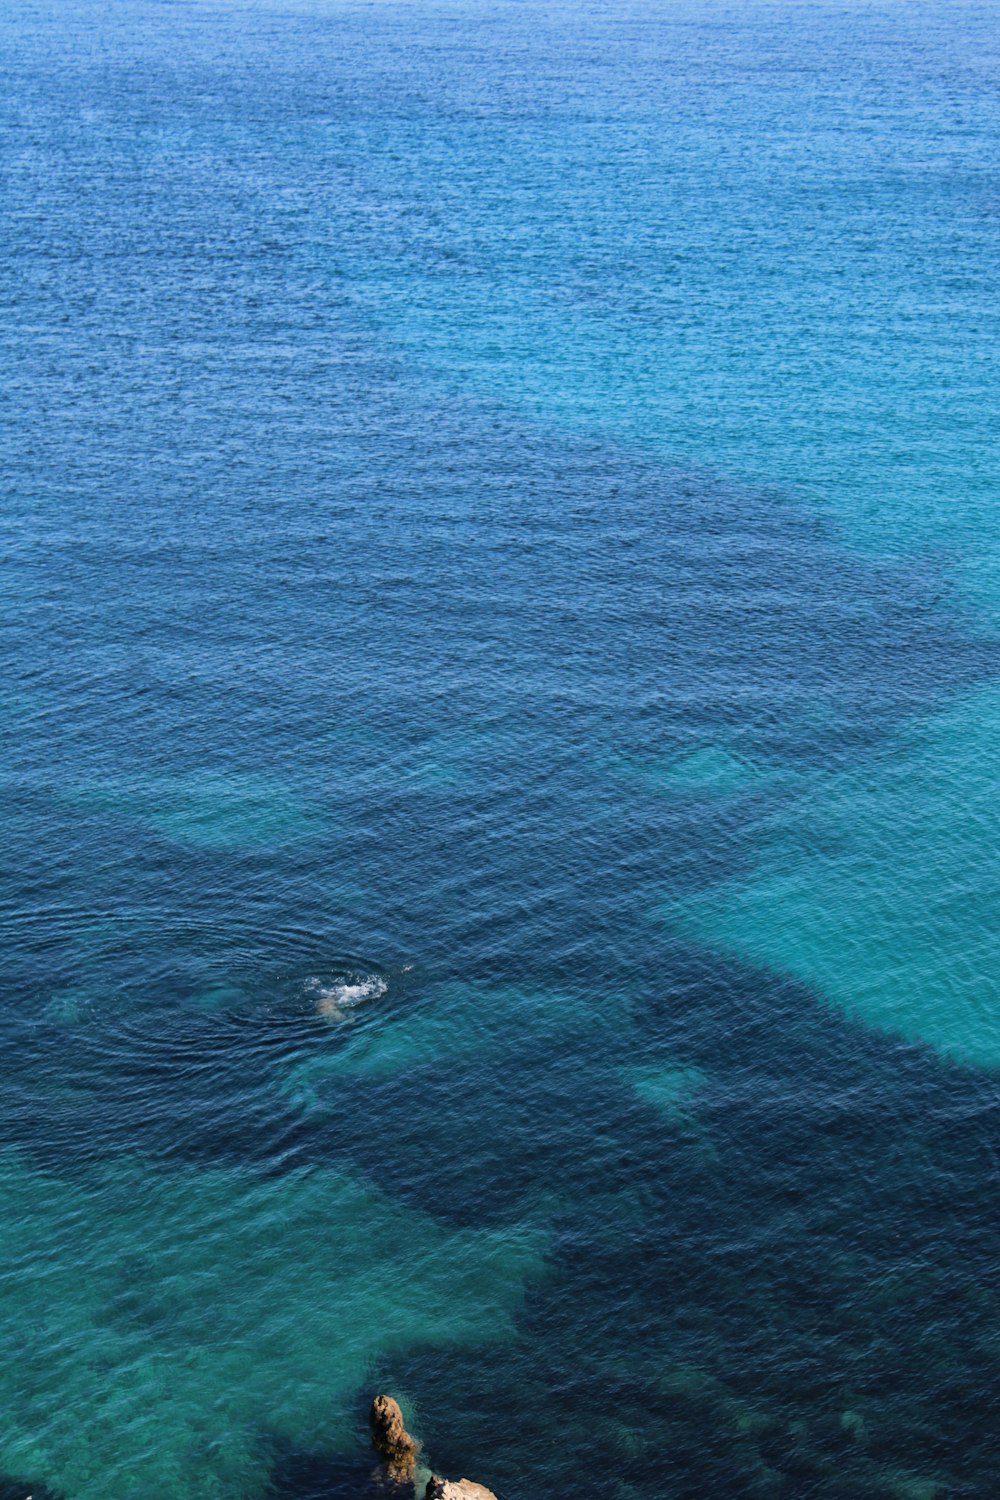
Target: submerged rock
x=397, y=1449
x=456, y=1489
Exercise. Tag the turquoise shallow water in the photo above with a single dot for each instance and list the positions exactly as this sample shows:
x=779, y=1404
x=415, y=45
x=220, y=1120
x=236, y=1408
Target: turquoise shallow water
x=500, y=604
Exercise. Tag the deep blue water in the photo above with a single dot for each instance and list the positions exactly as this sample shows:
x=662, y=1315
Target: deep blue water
x=501, y=617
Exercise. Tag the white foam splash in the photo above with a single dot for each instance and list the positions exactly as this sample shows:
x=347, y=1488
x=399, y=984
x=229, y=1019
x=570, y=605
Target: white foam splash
x=333, y=1001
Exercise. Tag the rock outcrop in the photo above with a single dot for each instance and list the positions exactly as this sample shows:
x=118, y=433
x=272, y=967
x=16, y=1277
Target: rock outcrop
x=399, y=1452
x=396, y=1448
x=456, y=1489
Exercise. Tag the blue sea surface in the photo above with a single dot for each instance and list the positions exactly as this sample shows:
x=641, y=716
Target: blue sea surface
x=500, y=703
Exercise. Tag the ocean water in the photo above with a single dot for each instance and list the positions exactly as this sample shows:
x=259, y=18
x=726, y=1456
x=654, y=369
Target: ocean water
x=500, y=704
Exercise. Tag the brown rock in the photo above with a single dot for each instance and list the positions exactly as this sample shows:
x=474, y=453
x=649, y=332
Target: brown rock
x=456, y=1489
x=397, y=1449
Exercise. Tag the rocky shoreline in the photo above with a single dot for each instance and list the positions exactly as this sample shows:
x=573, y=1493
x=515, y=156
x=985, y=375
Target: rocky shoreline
x=400, y=1451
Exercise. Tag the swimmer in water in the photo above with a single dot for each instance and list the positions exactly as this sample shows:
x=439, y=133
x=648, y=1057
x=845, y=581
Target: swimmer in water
x=337, y=1002
x=327, y=1007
